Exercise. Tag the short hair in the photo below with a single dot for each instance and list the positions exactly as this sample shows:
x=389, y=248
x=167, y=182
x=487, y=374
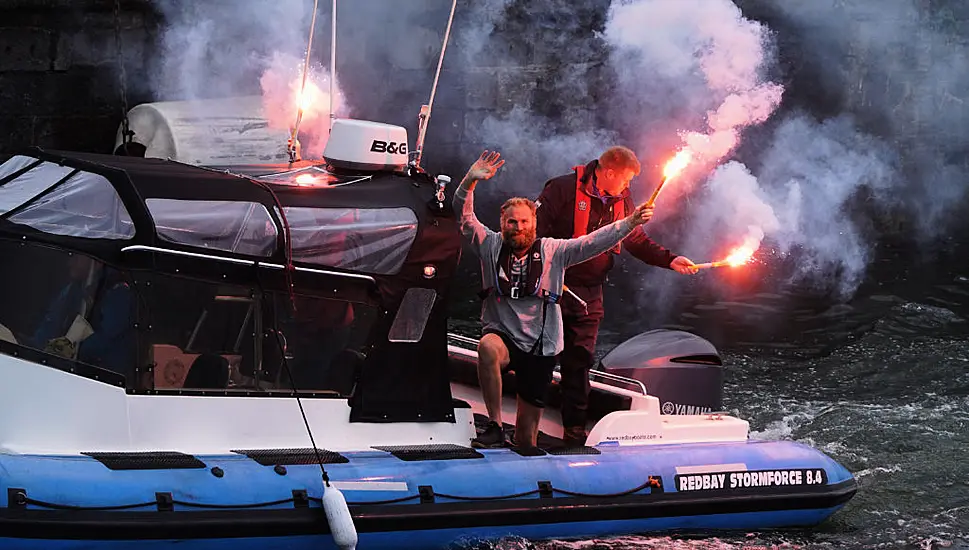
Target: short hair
x=518, y=201
x=619, y=158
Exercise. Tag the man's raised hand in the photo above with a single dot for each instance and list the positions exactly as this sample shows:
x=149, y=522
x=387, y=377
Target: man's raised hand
x=486, y=166
x=642, y=214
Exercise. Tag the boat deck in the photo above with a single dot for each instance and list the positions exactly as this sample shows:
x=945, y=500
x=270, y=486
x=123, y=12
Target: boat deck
x=547, y=443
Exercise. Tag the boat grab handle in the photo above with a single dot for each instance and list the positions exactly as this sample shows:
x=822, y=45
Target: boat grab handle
x=601, y=374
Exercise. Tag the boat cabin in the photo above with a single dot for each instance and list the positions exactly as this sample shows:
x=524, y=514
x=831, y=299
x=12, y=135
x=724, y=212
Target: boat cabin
x=158, y=279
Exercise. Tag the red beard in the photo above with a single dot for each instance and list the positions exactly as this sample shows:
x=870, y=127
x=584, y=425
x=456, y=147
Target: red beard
x=519, y=240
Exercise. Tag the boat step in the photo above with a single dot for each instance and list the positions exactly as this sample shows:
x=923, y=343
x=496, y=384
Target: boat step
x=289, y=457
x=150, y=460
x=430, y=452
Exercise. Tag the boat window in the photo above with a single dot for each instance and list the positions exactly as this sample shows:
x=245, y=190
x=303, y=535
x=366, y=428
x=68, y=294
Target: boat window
x=27, y=185
x=232, y=226
x=374, y=240
x=202, y=338
x=15, y=164
x=80, y=309
x=412, y=315
x=324, y=340
x=86, y=205
x=201, y=333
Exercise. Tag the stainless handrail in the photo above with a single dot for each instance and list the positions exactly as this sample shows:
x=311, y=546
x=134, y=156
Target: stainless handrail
x=605, y=375
x=239, y=261
x=463, y=339
x=619, y=378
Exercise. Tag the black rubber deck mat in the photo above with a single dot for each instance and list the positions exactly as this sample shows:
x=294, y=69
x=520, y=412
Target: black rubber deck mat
x=289, y=457
x=573, y=451
x=150, y=460
x=430, y=452
x=528, y=451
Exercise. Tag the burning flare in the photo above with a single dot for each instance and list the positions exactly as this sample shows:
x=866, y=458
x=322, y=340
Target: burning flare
x=740, y=255
x=305, y=179
x=310, y=100
x=677, y=164
x=672, y=169
x=282, y=102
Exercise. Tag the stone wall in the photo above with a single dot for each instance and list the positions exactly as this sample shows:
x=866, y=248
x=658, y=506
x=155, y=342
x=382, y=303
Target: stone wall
x=60, y=83
x=59, y=78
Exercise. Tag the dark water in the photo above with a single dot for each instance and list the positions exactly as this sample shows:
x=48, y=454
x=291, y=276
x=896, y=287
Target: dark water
x=879, y=382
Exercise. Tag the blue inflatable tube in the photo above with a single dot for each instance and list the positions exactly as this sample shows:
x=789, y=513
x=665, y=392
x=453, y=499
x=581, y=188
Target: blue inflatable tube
x=412, y=497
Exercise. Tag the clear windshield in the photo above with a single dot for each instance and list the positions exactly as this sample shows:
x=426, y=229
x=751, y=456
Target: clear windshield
x=375, y=240
x=62, y=201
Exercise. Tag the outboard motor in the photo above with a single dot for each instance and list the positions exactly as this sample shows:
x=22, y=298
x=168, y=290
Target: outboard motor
x=681, y=369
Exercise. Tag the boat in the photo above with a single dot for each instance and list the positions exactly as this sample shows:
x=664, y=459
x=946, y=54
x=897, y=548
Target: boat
x=237, y=347
x=258, y=355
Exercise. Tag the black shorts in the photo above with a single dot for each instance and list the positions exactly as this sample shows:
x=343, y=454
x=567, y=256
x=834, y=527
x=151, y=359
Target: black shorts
x=533, y=373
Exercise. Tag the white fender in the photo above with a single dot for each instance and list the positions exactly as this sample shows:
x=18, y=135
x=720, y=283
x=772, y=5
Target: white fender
x=339, y=519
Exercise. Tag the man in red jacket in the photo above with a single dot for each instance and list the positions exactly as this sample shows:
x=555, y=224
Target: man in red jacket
x=577, y=204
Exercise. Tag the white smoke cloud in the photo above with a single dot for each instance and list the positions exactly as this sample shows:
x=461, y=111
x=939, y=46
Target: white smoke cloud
x=738, y=111
x=737, y=206
x=227, y=48
x=655, y=75
x=903, y=67
x=476, y=21
x=805, y=180
x=699, y=75
x=535, y=149
x=283, y=92
x=812, y=171
x=713, y=60
x=220, y=47
x=690, y=73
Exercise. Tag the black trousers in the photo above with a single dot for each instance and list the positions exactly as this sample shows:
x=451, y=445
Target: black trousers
x=580, y=330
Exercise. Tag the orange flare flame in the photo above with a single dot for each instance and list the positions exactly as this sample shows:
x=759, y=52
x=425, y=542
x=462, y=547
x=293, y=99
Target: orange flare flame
x=740, y=256
x=305, y=179
x=309, y=98
x=672, y=168
x=677, y=164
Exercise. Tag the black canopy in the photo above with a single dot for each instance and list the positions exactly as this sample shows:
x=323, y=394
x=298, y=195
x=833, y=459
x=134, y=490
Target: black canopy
x=391, y=238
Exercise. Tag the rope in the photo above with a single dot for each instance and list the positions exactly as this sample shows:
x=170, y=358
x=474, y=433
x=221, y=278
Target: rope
x=497, y=497
x=55, y=506
x=318, y=500
x=279, y=342
x=289, y=268
x=648, y=483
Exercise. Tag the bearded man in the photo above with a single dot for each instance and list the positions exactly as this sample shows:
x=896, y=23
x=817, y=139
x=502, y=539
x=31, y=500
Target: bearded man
x=522, y=279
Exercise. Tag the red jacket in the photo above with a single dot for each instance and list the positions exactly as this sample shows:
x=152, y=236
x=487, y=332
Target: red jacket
x=556, y=215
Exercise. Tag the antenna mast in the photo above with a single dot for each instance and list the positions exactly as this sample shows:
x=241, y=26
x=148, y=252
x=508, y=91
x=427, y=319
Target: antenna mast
x=425, y=115
x=332, y=64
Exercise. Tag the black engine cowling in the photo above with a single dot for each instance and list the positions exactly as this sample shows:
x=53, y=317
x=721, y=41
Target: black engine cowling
x=681, y=369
